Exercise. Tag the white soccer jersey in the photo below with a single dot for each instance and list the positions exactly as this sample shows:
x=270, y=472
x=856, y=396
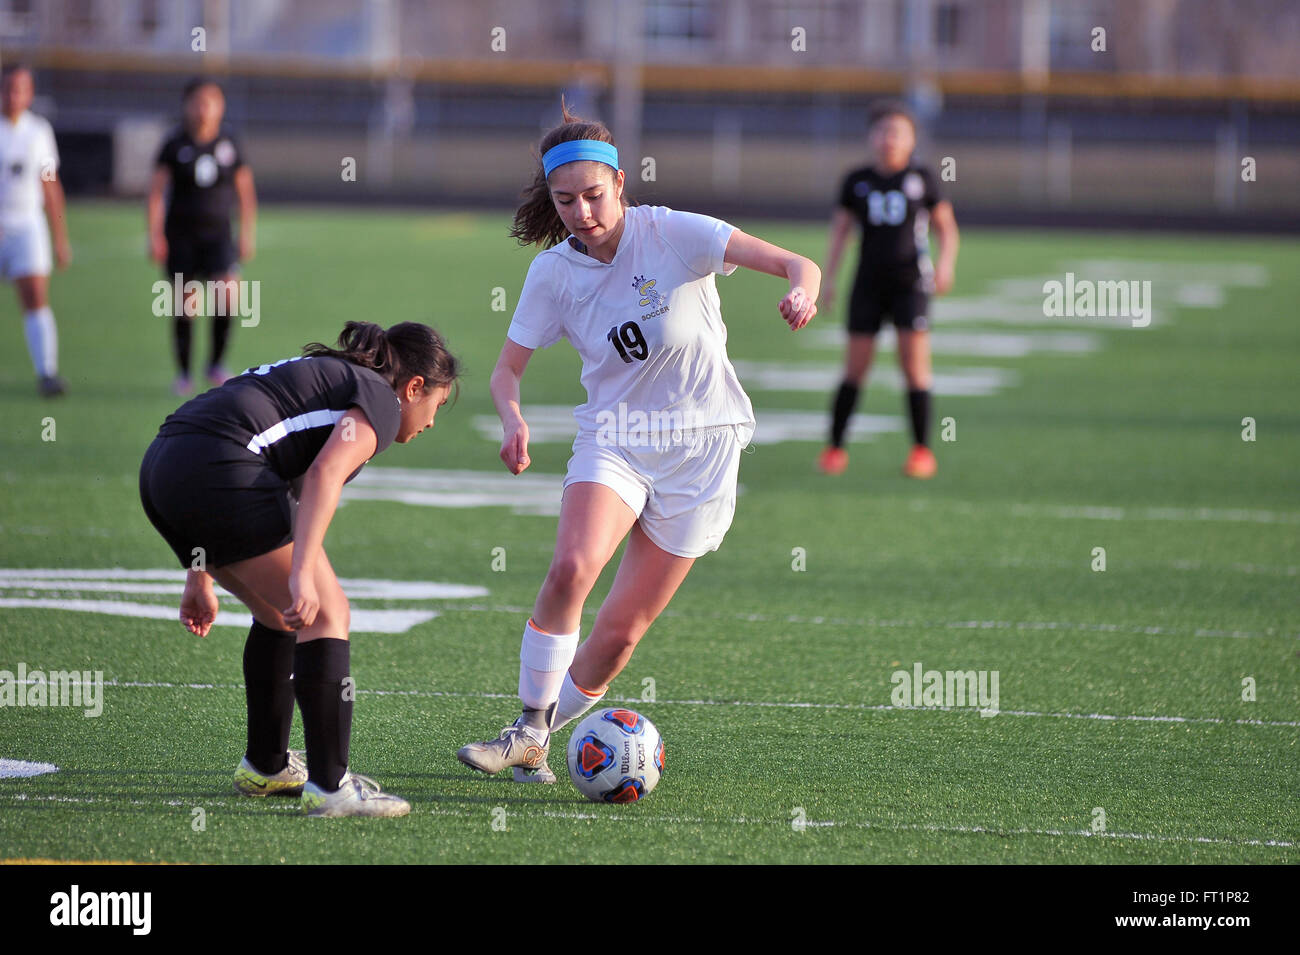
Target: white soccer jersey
x=26, y=150
x=648, y=325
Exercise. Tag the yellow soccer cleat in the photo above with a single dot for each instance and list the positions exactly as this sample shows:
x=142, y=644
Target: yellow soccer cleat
x=287, y=782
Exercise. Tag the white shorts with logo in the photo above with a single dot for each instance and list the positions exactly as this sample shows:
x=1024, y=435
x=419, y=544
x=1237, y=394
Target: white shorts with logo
x=683, y=492
x=25, y=249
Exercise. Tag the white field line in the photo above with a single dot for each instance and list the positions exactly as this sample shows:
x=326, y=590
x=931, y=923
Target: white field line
x=1032, y=625
x=1269, y=570
x=884, y=827
x=405, y=620
x=1234, y=515
x=759, y=704
x=652, y=818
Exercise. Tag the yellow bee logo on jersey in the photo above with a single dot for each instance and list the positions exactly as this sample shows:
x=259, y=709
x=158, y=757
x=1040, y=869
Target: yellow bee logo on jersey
x=646, y=289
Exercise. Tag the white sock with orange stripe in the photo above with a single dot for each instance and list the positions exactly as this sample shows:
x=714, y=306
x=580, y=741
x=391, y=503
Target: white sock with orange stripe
x=544, y=660
x=574, y=701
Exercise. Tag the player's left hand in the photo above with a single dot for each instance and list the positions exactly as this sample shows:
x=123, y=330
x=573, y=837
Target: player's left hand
x=301, y=614
x=198, y=609
x=62, y=255
x=797, y=308
x=247, y=248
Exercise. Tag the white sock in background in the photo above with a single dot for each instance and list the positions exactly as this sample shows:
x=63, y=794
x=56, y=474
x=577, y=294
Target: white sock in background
x=573, y=702
x=544, y=660
x=42, y=341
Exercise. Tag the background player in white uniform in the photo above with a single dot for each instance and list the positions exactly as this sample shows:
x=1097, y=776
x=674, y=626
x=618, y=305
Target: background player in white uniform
x=30, y=193
x=660, y=435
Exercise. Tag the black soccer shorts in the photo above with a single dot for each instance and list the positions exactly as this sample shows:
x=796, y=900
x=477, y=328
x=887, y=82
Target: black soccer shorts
x=201, y=491
x=877, y=299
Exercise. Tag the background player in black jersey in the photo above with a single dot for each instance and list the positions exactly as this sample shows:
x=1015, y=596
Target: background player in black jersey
x=242, y=482
x=204, y=169
x=896, y=202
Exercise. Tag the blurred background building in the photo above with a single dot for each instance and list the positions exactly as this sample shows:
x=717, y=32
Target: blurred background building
x=1122, y=111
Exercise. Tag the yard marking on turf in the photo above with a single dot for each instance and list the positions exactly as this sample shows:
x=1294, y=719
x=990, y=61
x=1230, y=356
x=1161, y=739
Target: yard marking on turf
x=526, y=494
x=884, y=827
x=20, y=769
x=759, y=704
x=363, y=621
x=970, y=344
x=824, y=378
x=63, y=589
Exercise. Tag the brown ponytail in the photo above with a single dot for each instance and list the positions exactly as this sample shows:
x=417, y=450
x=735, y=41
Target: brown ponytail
x=399, y=354
x=536, y=221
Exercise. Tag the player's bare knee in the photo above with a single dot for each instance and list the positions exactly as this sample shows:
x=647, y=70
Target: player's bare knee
x=621, y=631
x=571, y=572
x=341, y=617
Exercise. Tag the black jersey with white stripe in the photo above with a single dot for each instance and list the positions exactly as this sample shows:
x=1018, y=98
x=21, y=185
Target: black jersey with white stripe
x=285, y=411
x=894, y=211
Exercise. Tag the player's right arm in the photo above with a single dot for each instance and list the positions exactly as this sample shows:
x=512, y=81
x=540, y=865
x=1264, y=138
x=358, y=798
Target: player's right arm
x=350, y=445
x=841, y=226
x=504, y=384
x=158, y=185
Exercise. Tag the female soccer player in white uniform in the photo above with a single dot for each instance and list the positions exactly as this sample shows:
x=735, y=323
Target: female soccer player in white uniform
x=660, y=436
x=29, y=186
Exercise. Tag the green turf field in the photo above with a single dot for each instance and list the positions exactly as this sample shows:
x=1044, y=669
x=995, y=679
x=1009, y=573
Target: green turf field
x=1120, y=691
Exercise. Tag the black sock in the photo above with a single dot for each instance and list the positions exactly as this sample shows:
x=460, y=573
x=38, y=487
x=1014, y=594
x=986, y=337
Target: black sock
x=846, y=399
x=319, y=669
x=268, y=686
x=918, y=405
x=220, y=335
x=182, y=334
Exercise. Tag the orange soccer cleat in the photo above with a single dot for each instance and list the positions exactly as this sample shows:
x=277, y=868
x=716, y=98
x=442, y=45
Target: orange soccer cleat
x=833, y=461
x=920, y=463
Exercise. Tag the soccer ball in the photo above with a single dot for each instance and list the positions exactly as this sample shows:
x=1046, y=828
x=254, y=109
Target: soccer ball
x=615, y=755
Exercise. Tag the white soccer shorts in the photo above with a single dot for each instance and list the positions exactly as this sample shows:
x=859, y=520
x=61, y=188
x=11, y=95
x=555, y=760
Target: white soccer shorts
x=683, y=493
x=25, y=250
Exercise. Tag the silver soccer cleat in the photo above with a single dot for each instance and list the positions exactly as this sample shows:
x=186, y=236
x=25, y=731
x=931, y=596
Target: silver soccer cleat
x=516, y=747
x=542, y=774
x=356, y=796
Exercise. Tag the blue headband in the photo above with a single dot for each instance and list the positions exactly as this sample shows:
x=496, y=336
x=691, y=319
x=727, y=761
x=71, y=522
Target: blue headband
x=579, y=149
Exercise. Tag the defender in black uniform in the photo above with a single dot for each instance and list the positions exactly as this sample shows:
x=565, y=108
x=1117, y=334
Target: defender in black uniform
x=242, y=482
x=204, y=169
x=896, y=202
